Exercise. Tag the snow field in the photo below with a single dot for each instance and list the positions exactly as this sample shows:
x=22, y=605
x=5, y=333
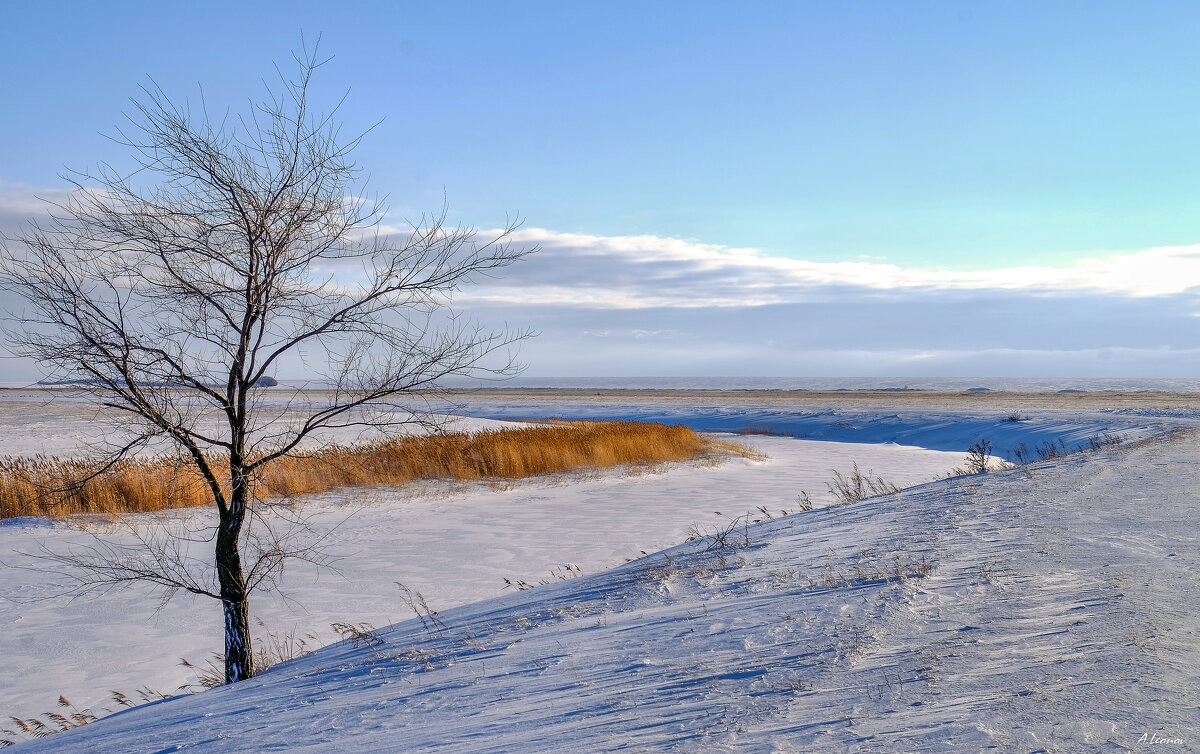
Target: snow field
x=1053, y=608
x=454, y=544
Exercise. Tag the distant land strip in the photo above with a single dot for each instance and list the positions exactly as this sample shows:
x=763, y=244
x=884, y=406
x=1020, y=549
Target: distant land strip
x=873, y=398
x=982, y=399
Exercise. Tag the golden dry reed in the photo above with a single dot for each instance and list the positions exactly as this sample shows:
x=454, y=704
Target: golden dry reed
x=48, y=486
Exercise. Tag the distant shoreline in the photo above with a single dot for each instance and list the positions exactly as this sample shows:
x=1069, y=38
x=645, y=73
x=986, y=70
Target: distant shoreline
x=866, y=398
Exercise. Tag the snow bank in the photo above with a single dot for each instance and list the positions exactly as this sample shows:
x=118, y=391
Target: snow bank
x=949, y=430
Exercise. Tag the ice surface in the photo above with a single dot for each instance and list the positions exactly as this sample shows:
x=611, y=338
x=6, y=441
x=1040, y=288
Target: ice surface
x=946, y=429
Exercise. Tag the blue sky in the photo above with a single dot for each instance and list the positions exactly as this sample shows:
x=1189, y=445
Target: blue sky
x=941, y=145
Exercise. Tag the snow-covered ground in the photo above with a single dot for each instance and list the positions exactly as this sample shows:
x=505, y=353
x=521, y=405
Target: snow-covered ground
x=67, y=424
x=950, y=428
x=454, y=544
x=1052, y=607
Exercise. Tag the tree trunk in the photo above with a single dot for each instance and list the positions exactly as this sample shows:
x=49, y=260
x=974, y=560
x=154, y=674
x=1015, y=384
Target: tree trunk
x=239, y=656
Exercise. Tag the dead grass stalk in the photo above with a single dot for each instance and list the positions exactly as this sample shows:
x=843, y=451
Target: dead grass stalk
x=49, y=486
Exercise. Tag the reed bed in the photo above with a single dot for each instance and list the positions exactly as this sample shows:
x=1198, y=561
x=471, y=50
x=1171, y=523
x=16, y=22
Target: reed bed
x=49, y=486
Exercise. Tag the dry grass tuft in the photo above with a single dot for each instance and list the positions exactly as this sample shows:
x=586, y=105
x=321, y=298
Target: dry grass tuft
x=855, y=486
x=48, y=486
x=756, y=431
x=731, y=448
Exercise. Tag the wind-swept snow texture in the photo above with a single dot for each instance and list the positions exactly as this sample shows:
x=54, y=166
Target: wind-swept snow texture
x=1052, y=608
x=453, y=543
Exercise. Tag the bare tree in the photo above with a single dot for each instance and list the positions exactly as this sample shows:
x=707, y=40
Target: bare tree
x=173, y=304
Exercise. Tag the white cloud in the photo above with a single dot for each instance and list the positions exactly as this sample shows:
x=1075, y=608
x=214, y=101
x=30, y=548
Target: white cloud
x=20, y=204
x=648, y=271
x=649, y=305
x=629, y=272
